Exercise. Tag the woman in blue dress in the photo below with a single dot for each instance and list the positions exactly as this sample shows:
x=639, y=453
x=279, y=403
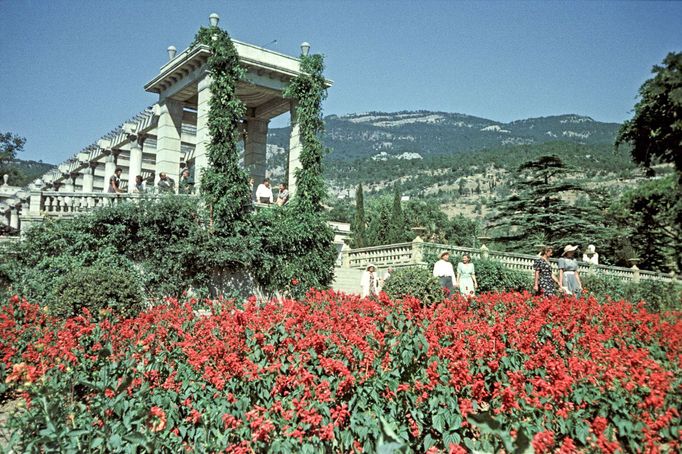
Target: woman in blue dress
x=568, y=272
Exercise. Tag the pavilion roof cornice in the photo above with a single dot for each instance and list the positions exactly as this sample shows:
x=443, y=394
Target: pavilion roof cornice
x=254, y=58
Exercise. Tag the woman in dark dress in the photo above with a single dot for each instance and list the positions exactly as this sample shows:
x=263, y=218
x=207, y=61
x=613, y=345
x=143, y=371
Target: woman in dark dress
x=545, y=283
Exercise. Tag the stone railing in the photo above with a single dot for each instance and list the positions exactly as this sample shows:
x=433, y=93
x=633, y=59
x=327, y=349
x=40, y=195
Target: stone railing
x=420, y=253
x=65, y=203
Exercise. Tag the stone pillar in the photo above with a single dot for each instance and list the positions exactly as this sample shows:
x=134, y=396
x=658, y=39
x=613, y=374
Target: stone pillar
x=295, y=147
x=203, y=134
x=68, y=183
x=168, y=139
x=255, y=147
x=135, y=166
x=109, y=167
x=88, y=177
x=485, y=252
x=14, y=217
x=417, y=253
x=345, y=256
x=34, y=201
x=636, y=277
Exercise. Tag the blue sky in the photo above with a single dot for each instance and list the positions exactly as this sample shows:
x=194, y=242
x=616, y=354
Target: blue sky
x=71, y=71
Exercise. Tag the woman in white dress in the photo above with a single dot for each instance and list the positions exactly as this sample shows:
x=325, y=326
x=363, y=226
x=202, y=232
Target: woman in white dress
x=466, y=276
x=369, y=283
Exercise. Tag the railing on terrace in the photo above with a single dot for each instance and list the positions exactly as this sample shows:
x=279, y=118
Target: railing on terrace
x=416, y=253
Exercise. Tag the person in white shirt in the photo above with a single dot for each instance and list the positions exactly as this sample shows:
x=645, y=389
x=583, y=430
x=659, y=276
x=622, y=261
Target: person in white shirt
x=591, y=256
x=264, y=192
x=368, y=282
x=444, y=271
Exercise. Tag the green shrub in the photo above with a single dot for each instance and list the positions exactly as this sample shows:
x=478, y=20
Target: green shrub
x=493, y=276
x=97, y=287
x=415, y=281
x=658, y=296
x=294, y=250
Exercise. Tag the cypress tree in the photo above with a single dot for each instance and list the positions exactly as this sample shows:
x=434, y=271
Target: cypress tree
x=397, y=222
x=359, y=224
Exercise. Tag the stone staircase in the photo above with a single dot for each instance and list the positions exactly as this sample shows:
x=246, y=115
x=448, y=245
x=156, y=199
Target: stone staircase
x=347, y=280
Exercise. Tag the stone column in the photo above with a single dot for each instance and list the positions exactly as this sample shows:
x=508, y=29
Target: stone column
x=88, y=177
x=68, y=183
x=135, y=166
x=14, y=217
x=295, y=147
x=109, y=167
x=203, y=134
x=168, y=139
x=255, y=148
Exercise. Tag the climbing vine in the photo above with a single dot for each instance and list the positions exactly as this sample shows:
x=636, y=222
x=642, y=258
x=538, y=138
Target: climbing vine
x=308, y=90
x=224, y=183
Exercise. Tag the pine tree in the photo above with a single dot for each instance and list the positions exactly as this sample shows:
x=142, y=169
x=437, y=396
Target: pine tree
x=359, y=224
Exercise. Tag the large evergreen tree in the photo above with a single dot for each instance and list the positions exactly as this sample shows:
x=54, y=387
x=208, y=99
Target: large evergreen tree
x=539, y=210
x=655, y=132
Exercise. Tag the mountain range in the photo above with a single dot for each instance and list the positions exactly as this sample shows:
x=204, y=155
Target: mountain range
x=412, y=133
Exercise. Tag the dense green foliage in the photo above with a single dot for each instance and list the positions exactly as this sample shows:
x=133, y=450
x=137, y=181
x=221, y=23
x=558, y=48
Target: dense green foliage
x=97, y=288
x=538, y=213
x=308, y=90
x=651, y=213
x=294, y=250
x=224, y=183
x=414, y=281
x=658, y=296
x=10, y=145
x=493, y=276
x=655, y=131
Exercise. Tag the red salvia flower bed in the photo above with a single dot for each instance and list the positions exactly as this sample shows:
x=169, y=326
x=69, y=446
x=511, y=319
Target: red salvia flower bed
x=346, y=374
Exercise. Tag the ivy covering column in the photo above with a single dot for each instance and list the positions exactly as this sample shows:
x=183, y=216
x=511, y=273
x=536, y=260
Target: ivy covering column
x=224, y=183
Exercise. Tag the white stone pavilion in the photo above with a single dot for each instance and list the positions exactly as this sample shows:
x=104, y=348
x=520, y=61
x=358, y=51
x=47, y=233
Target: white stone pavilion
x=173, y=133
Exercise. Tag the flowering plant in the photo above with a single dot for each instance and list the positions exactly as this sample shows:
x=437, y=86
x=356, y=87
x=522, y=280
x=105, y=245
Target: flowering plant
x=341, y=373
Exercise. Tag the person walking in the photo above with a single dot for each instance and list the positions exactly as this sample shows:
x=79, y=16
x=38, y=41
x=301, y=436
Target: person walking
x=466, y=276
x=443, y=270
x=569, y=277
x=545, y=283
x=368, y=282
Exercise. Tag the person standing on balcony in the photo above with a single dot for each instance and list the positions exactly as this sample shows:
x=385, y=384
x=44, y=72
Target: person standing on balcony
x=568, y=272
x=165, y=184
x=185, y=185
x=139, y=184
x=283, y=195
x=466, y=276
x=264, y=192
x=443, y=270
x=115, y=181
x=368, y=282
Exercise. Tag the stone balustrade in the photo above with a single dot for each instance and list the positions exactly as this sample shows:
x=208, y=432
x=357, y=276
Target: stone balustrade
x=65, y=203
x=417, y=253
